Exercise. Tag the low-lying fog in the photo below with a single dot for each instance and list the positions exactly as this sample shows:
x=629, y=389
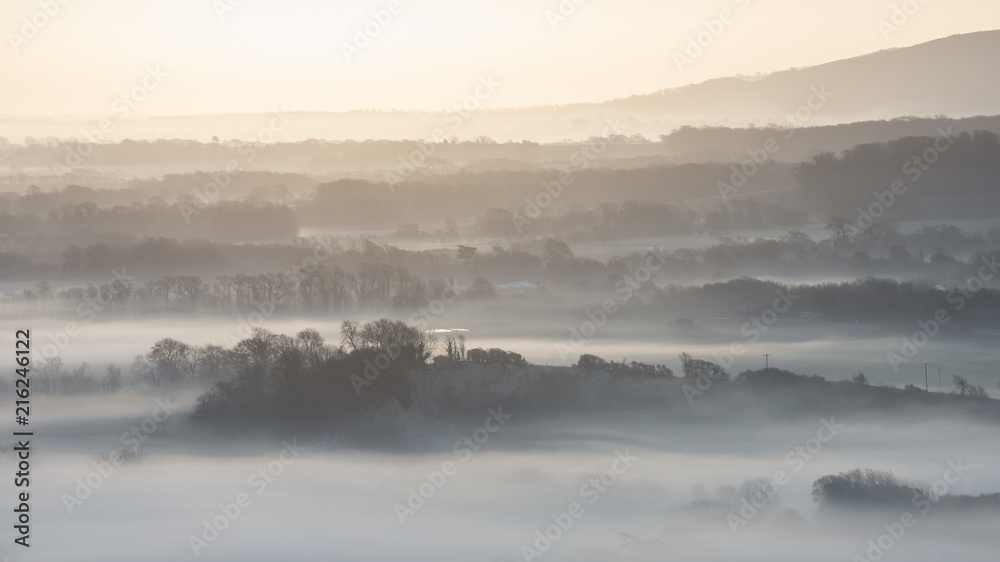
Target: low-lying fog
x=614, y=375
x=544, y=335
x=605, y=250
x=341, y=504
x=357, y=500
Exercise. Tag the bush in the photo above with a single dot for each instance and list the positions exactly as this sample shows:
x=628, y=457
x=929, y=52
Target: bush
x=695, y=368
x=496, y=356
x=595, y=363
x=863, y=487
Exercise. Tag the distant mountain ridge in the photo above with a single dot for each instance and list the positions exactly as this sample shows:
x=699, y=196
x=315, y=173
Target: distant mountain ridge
x=957, y=76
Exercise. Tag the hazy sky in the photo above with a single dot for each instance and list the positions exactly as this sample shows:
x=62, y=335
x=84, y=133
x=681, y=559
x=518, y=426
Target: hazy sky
x=266, y=54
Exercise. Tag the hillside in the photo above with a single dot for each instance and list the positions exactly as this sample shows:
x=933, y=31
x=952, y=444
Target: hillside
x=946, y=76
x=949, y=76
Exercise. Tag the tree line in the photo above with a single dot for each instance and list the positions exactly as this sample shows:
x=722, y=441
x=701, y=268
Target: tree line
x=315, y=291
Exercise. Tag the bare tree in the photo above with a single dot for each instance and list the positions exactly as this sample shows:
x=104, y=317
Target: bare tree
x=451, y=347
x=189, y=287
x=965, y=388
x=49, y=374
x=481, y=288
x=312, y=345
x=349, y=334
x=168, y=362
x=212, y=362
x=112, y=379
x=962, y=385
x=839, y=227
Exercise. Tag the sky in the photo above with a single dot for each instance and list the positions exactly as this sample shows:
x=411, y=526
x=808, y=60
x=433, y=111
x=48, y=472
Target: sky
x=247, y=56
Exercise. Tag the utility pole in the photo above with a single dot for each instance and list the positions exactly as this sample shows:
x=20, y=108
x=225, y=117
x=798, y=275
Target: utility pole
x=940, y=388
x=767, y=364
x=925, y=378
